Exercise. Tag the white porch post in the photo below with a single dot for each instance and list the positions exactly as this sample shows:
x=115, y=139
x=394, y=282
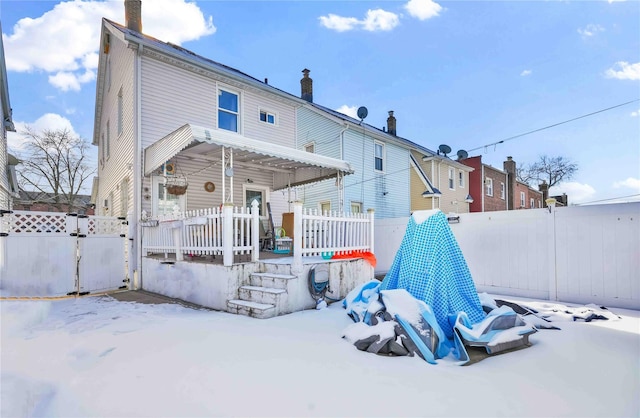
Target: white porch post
x=371, y=213
x=227, y=234
x=177, y=241
x=255, y=232
x=296, y=267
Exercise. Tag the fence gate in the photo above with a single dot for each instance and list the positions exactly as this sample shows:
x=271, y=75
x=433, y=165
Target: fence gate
x=57, y=254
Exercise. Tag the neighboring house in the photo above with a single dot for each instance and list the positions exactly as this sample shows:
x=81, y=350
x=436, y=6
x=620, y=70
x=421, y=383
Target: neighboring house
x=499, y=189
x=393, y=176
x=46, y=202
x=8, y=183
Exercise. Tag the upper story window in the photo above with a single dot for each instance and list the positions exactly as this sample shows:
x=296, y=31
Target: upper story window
x=267, y=117
x=522, y=200
x=356, y=207
x=379, y=156
x=460, y=178
x=502, y=191
x=310, y=148
x=452, y=174
x=120, y=112
x=489, y=186
x=228, y=110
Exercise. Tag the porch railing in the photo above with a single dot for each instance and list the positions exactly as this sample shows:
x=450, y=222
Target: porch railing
x=230, y=231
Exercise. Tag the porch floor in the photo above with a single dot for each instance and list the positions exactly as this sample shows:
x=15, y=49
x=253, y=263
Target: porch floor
x=265, y=256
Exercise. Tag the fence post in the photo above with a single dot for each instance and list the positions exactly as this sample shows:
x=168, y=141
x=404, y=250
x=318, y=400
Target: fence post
x=551, y=249
x=177, y=241
x=371, y=213
x=255, y=231
x=227, y=234
x=298, y=236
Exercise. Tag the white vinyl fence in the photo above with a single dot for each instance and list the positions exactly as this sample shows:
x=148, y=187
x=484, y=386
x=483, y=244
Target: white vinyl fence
x=57, y=254
x=581, y=254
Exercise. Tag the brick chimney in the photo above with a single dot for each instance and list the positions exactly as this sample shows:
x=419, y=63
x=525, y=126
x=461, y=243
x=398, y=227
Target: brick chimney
x=306, y=86
x=391, y=123
x=510, y=168
x=544, y=189
x=133, y=15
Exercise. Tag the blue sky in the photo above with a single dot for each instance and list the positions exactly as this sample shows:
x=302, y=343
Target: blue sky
x=462, y=73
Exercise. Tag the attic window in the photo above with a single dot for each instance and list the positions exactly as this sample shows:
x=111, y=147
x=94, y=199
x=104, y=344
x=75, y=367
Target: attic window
x=267, y=117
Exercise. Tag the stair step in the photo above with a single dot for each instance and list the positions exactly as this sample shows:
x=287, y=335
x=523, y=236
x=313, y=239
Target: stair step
x=272, y=280
x=274, y=275
x=252, y=309
x=264, y=289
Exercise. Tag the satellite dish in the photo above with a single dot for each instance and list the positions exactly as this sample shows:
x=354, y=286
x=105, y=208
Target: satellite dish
x=362, y=112
x=444, y=149
x=462, y=154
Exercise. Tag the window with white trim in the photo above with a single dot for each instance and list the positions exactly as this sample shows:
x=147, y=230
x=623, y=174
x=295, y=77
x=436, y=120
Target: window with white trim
x=356, y=207
x=522, y=200
x=452, y=175
x=502, y=191
x=267, y=117
x=228, y=110
x=488, y=183
x=120, y=112
x=325, y=207
x=461, y=179
x=379, y=156
x=532, y=203
x=310, y=147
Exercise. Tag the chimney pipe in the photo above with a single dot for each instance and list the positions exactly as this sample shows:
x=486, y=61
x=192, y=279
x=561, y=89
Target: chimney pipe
x=133, y=15
x=306, y=86
x=391, y=123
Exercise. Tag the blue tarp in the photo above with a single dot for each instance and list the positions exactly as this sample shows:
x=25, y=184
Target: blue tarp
x=431, y=267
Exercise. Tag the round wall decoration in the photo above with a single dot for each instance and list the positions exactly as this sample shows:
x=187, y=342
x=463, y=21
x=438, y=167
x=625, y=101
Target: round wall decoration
x=209, y=186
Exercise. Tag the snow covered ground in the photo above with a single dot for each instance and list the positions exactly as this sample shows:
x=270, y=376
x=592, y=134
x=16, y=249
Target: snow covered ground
x=96, y=356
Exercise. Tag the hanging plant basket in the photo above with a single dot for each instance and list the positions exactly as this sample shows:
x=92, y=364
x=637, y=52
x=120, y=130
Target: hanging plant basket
x=177, y=186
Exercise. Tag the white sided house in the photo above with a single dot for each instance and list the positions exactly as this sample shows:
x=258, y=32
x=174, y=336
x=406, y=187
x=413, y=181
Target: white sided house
x=8, y=184
x=191, y=151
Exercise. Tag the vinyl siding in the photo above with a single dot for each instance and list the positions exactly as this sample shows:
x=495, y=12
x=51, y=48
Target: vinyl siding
x=4, y=183
x=385, y=192
x=113, y=170
x=418, y=202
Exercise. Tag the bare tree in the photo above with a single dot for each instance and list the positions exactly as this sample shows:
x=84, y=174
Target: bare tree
x=552, y=169
x=54, y=163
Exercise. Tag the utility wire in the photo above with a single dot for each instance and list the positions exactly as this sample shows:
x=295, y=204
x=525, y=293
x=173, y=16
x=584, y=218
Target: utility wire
x=607, y=200
x=551, y=126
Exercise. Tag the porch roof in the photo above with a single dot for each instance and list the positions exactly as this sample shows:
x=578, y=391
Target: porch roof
x=290, y=166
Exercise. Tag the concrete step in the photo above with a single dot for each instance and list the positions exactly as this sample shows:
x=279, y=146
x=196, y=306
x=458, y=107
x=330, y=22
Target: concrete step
x=260, y=294
x=272, y=280
x=252, y=309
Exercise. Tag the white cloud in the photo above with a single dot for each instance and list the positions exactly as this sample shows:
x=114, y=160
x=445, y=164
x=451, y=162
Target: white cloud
x=622, y=70
x=349, y=111
x=339, y=23
x=375, y=20
x=64, y=41
x=50, y=121
x=423, y=9
x=380, y=20
x=590, y=30
x=629, y=183
x=635, y=114
x=525, y=73
x=576, y=192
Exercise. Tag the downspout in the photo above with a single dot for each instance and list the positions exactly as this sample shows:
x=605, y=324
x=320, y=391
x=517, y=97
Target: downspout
x=506, y=192
x=340, y=178
x=137, y=174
